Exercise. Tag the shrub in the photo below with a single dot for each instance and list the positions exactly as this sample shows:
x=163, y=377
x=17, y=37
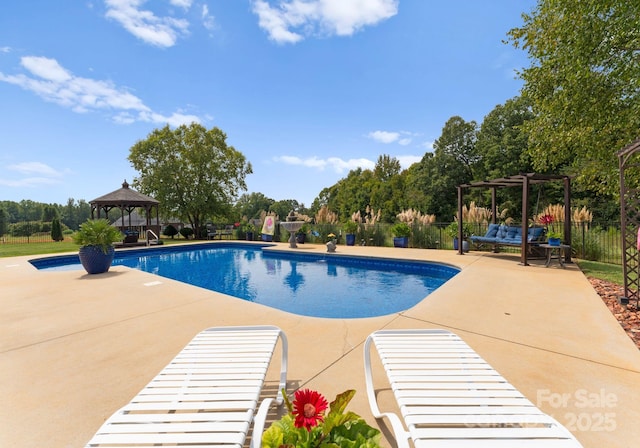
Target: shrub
x=186, y=232
x=401, y=229
x=56, y=230
x=170, y=231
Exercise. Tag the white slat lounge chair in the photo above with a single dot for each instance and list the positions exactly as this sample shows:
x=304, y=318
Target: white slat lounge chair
x=450, y=397
x=207, y=395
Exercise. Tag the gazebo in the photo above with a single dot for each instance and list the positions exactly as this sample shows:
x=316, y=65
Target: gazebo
x=128, y=200
x=524, y=181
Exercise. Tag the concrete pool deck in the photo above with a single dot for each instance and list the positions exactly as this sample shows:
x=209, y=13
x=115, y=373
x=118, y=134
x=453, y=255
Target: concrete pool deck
x=74, y=348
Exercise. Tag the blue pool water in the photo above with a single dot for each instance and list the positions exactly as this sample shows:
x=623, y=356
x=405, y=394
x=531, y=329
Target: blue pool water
x=319, y=285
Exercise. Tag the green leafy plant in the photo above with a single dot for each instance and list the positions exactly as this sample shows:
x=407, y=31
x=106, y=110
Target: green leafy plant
x=401, y=229
x=306, y=228
x=350, y=226
x=97, y=232
x=186, y=232
x=452, y=230
x=307, y=426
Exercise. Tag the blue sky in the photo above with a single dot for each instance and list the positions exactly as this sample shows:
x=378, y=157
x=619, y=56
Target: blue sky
x=306, y=89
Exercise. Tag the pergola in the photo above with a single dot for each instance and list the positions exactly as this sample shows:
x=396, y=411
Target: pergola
x=524, y=181
x=127, y=200
x=630, y=220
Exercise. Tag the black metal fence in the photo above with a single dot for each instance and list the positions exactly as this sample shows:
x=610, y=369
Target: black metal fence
x=590, y=241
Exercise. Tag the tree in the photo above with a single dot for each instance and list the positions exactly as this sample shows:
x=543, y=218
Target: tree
x=49, y=212
x=502, y=147
x=56, y=230
x=283, y=207
x=458, y=141
x=192, y=172
x=583, y=84
x=4, y=221
x=250, y=205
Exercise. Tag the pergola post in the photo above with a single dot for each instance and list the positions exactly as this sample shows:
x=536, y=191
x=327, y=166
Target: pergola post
x=525, y=224
x=460, y=251
x=567, y=218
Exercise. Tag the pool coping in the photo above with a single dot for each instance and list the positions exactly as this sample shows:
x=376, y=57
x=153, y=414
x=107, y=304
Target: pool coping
x=74, y=348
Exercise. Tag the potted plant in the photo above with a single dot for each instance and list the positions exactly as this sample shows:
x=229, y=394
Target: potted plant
x=553, y=236
x=401, y=232
x=452, y=231
x=301, y=235
x=96, y=238
x=249, y=230
x=350, y=228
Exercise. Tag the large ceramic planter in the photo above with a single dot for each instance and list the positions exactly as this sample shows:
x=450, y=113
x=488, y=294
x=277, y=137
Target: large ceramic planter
x=351, y=239
x=267, y=238
x=301, y=238
x=94, y=261
x=249, y=236
x=401, y=241
x=465, y=245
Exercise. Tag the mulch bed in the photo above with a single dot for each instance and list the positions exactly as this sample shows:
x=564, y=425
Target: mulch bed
x=627, y=315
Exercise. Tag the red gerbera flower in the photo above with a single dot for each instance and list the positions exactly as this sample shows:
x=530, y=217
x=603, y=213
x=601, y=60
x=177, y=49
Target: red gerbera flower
x=308, y=408
x=546, y=219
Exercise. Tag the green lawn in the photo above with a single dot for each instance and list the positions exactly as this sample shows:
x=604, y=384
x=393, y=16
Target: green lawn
x=603, y=271
x=21, y=249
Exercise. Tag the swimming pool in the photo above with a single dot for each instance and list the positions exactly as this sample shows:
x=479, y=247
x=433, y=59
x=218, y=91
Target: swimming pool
x=318, y=285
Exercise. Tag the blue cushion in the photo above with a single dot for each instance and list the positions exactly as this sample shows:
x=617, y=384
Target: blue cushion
x=502, y=232
x=493, y=231
x=535, y=233
x=512, y=232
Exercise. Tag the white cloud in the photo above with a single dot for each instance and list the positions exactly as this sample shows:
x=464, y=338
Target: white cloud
x=337, y=164
x=208, y=20
x=37, y=174
x=184, y=4
x=289, y=21
x=5, y=49
x=403, y=138
x=384, y=136
x=54, y=83
x=145, y=25
x=407, y=160
x=341, y=166
x=34, y=168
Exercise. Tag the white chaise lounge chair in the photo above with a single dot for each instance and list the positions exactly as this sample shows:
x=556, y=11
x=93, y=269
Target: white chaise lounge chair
x=450, y=397
x=207, y=395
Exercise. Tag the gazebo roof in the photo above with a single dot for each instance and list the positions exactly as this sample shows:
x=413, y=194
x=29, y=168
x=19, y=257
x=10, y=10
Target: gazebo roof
x=124, y=197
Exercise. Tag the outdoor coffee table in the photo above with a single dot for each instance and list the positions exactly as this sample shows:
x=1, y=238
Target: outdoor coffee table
x=555, y=253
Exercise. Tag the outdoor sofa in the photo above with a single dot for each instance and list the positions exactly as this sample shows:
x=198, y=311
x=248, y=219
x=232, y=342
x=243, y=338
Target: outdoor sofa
x=503, y=235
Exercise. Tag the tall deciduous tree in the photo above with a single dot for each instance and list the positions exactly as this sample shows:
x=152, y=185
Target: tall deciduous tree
x=251, y=204
x=191, y=170
x=583, y=84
